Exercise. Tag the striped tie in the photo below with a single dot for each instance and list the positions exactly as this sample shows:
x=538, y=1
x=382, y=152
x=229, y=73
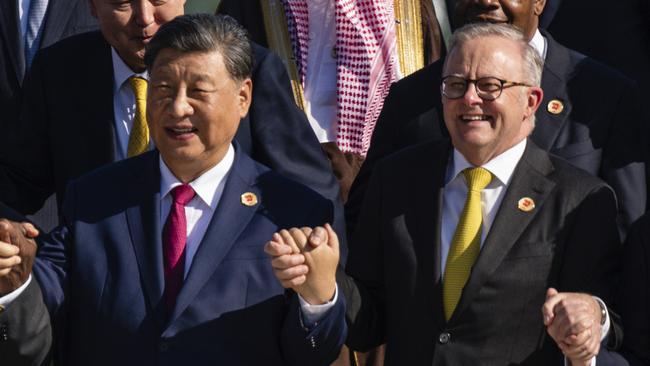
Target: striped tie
x=139, y=137
x=33, y=32
x=466, y=242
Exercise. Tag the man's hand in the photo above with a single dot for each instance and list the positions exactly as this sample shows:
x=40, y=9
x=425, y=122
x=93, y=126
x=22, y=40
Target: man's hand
x=573, y=321
x=17, y=251
x=306, y=260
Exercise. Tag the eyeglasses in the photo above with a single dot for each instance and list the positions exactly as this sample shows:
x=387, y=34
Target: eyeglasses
x=487, y=88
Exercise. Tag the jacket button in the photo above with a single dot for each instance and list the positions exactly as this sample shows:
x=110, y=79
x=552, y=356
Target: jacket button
x=444, y=338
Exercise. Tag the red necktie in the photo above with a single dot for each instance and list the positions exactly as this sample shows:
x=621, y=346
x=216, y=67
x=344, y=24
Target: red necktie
x=174, y=239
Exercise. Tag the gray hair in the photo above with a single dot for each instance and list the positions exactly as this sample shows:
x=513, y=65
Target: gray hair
x=205, y=33
x=533, y=63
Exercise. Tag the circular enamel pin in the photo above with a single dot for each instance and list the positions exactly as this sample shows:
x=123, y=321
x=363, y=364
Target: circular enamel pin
x=249, y=199
x=526, y=204
x=555, y=106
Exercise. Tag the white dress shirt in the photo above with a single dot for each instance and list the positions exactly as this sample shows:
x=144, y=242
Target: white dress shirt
x=123, y=104
x=199, y=211
x=23, y=11
x=320, y=81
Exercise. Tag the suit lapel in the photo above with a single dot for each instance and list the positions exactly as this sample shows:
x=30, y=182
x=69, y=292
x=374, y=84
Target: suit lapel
x=428, y=211
x=99, y=124
x=229, y=220
x=10, y=31
x=528, y=180
x=145, y=231
x=58, y=13
x=549, y=124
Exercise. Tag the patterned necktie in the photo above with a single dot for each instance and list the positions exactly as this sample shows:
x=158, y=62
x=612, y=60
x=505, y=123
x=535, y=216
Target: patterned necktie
x=33, y=32
x=174, y=240
x=139, y=137
x=466, y=242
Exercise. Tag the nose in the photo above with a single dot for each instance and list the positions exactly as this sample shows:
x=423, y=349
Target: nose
x=143, y=11
x=180, y=106
x=471, y=96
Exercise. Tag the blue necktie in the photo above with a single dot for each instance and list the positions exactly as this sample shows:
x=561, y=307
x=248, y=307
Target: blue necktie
x=33, y=32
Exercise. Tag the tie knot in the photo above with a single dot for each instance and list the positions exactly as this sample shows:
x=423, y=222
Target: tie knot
x=139, y=86
x=477, y=178
x=183, y=194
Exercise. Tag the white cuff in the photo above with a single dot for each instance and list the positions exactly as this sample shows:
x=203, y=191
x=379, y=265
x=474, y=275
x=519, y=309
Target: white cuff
x=312, y=314
x=7, y=299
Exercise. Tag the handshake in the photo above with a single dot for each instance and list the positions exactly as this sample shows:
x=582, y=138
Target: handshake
x=17, y=252
x=305, y=260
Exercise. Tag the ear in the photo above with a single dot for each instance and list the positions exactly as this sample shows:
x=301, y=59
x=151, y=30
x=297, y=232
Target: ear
x=538, y=7
x=534, y=99
x=245, y=96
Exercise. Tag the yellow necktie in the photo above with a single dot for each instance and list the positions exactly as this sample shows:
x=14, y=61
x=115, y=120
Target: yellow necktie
x=139, y=137
x=466, y=242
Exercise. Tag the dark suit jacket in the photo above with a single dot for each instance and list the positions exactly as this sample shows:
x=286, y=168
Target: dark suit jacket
x=62, y=19
x=634, y=302
x=102, y=278
x=569, y=241
x=249, y=14
x=597, y=131
x=67, y=128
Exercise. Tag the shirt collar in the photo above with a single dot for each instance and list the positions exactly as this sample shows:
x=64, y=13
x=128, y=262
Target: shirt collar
x=205, y=185
x=538, y=42
x=501, y=167
x=122, y=72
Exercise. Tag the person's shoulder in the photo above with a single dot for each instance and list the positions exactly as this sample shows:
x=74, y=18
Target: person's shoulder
x=75, y=46
x=575, y=180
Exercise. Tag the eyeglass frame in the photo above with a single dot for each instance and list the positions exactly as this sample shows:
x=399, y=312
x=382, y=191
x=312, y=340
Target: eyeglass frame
x=504, y=84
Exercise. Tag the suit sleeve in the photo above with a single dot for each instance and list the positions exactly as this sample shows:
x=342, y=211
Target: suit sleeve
x=25, y=330
x=26, y=177
x=592, y=254
x=363, y=280
x=321, y=343
x=623, y=166
x=634, y=298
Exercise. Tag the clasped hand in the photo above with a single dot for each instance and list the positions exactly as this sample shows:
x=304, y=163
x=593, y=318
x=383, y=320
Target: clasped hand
x=17, y=251
x=305, y=260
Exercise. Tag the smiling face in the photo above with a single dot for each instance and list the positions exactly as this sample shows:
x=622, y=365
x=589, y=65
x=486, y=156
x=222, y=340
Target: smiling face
x=481, y=130
x=128, y=25
x=523, y=14
x=193, y=109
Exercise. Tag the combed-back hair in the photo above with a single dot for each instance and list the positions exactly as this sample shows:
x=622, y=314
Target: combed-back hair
x=205, y=33
x=533, y=63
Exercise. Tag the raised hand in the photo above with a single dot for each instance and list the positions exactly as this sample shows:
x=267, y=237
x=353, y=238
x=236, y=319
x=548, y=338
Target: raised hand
x=573, y=320
x=17, y=251
x=306, y=260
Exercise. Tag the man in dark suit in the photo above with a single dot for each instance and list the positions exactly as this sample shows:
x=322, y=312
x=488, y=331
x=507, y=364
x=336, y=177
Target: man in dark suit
x=459, y=246
x=25, y=27
x=616, y=33
x=63, y=18
x=134, y=288
x=589, y=115
x=76, y=118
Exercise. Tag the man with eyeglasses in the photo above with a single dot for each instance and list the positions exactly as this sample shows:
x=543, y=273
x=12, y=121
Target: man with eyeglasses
x=590, y=114
x=459, y=245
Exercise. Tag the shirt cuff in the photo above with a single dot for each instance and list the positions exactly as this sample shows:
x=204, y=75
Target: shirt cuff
x=7, y=299
x=603, y=334
x=312, y=314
